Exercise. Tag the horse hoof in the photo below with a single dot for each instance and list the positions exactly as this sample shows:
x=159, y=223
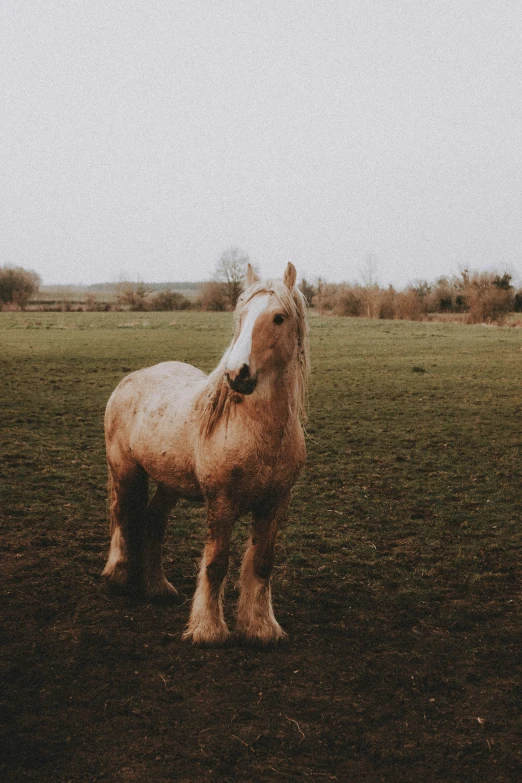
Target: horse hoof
x=116, y=575
x=263, y=636
x=163, y=591
x=116, y=585
x=208, y=637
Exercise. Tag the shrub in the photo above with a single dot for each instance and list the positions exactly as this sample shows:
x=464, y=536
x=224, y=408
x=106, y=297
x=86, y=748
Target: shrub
x=387, y=303
x=441, y=298
x=503, y=282
x=92, y=305
x=340, y=299
x=169, y=300
x=17, y=285
x=214, y=297
x=324, y=298
x=484, y=296
x=308, y=291
x=489, y=298
x=409, y=306
x=461, y=304
x=349, y=301
x=371, y=296
x=133, y=296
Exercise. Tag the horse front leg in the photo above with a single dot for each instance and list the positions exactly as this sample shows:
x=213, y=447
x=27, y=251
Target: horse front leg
x=255, y=615
x=155, y=583
x=207, y=622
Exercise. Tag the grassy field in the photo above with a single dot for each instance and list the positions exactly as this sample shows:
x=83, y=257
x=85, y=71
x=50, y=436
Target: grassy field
x=103, y=293
x=398, y=576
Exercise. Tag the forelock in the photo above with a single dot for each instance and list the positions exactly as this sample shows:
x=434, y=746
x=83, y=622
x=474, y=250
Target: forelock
x=292, y=302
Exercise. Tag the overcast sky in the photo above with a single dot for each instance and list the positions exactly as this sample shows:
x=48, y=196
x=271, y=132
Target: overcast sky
x=139, y=139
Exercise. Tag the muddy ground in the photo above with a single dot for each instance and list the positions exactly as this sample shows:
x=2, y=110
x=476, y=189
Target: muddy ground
x=397, y=579
x=101, y=688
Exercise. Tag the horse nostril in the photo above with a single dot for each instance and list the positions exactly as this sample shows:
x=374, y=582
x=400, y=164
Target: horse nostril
x=241, y=381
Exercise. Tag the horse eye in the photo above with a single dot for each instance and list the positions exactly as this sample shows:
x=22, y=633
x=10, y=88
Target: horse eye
x=279, y=318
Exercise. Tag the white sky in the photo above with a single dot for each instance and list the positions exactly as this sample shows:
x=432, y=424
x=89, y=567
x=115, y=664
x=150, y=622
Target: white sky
x=141, y=138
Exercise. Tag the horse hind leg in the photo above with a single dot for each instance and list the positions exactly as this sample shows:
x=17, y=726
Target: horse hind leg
x=255, y=615
x=127, y=506
x=155, y=582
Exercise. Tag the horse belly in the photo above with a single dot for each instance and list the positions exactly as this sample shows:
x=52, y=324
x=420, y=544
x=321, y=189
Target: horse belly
x=175, y=472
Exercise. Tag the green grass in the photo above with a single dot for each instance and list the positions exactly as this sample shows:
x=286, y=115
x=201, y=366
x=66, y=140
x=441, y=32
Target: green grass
x=398, y=575
x=426, y=451
x=58, y=371
x=414, y=433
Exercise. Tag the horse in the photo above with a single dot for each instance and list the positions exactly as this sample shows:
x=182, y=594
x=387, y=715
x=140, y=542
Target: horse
x=233, y=439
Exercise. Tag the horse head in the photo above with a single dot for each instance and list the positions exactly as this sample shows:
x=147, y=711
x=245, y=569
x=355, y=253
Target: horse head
x=269, y=319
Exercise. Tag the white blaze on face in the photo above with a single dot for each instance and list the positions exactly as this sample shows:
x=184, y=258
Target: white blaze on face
x=240, y=353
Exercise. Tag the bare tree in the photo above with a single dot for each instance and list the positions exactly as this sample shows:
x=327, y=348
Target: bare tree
x=370, y=271
x=230, y=271
x=369, y=276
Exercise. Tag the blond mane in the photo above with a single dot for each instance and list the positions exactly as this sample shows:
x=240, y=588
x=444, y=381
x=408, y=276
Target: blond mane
x=216, y=399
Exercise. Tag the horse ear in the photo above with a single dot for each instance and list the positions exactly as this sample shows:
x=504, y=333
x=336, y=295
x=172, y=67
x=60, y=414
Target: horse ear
x=290, y=276
x=251, y=276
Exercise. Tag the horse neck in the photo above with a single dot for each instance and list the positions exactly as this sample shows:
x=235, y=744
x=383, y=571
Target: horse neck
x=275, y=403
x=275, y=400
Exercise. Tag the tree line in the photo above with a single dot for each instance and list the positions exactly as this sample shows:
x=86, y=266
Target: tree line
x=476, y=297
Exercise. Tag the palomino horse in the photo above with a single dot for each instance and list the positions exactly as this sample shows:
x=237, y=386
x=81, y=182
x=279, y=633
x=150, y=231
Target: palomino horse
x=233, y=439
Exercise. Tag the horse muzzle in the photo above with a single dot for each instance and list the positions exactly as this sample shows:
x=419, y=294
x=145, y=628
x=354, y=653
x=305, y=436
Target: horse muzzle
x=241, y=381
